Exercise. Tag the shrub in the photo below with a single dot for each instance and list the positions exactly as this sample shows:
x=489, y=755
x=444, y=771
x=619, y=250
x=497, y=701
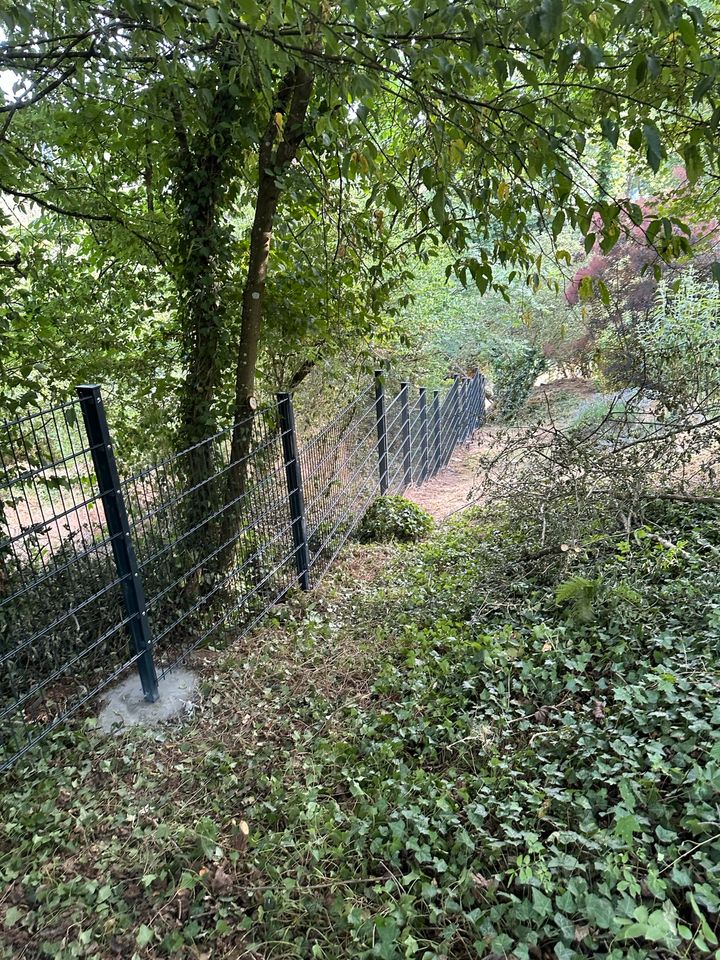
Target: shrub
x=673, y=351
x=394, y=518
x=594, y=413
x=516, y=367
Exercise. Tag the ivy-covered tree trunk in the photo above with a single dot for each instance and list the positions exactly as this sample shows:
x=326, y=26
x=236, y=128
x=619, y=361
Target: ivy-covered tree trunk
x=205, y=166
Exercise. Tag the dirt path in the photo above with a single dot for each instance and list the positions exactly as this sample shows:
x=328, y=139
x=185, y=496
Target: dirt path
x=454, y=488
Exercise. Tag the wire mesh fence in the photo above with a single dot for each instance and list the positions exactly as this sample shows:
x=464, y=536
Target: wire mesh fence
x=103, y=571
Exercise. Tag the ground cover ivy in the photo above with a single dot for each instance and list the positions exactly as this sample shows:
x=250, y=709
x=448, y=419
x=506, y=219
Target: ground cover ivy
x=477, y=755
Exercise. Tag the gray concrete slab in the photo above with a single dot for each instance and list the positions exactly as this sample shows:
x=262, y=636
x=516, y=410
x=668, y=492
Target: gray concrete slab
x=125, y=706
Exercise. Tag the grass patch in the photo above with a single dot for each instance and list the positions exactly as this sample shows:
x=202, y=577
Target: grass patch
x=463, y=754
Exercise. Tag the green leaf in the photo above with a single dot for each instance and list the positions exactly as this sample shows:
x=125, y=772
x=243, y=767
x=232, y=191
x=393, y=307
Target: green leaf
x=551, y=12
x=599, y=911
x=585, y=288
x=542, y=904
x=564, y=925
x=654, y=152
x=438, y=205
x=12, y=915
x=703, y=87
x=104, y=893
x=693, y=162
x=394, y=197
x=144, y=936
x=636, y=138
x=610, y=130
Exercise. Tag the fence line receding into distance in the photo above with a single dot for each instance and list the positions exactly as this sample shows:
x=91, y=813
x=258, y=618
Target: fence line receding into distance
x=101, y=572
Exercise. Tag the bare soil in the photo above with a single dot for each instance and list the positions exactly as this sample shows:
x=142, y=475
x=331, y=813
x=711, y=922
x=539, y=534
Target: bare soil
x=452, y=489
x=455, y=488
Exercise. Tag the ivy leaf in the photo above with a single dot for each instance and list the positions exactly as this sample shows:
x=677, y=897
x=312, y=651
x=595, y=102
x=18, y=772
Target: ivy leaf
x=565, y=926
x=144, y=936
x=542, y=904
x=656, y=926
x=599, y=911
x=627, y=826
x=12, y=915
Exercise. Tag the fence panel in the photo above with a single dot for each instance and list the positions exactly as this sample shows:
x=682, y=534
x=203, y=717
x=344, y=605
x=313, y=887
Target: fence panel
x=216, y=534
x=399, y=440
x=340, y=472
x=63, y=625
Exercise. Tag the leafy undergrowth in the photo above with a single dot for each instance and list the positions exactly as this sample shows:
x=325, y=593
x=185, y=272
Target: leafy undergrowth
x=464, y=753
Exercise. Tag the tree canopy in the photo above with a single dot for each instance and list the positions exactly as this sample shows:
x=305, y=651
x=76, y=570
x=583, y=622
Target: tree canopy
x=239, y=153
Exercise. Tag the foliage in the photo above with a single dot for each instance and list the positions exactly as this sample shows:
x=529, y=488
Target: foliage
x=625, y=278
x=591, y=416
x=574, y=479
x=452, y=328
x=674, y=351
x=619, y=287
x=519, y=781
x=77, y=315
x=189, y=142
x=516, y=367
x=394, y=518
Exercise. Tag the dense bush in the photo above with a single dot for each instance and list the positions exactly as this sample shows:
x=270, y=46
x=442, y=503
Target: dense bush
x=673, y=350
x=394, y=518
x=516, y=366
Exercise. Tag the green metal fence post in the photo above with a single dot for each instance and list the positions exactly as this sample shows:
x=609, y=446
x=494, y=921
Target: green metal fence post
x=382, y=444
x=123, y=552
x=296, y=496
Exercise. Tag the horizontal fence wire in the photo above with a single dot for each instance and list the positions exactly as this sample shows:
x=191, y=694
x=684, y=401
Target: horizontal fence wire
x=62, y=621
x=339, y=471
x=213, y=536
x=215, y=532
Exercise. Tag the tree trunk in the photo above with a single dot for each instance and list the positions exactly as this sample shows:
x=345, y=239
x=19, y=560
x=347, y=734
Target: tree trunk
x=286, y=127
x=205, y=165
